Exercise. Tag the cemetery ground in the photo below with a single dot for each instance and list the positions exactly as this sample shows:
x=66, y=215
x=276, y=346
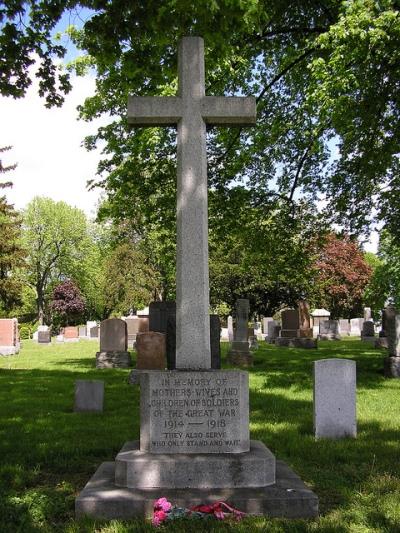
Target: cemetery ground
x=48, y=452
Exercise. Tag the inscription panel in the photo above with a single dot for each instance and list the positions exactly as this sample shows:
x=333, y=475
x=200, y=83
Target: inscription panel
x=195, y=412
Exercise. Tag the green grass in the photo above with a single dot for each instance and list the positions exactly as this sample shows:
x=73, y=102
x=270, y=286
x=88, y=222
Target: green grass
x=48, y=452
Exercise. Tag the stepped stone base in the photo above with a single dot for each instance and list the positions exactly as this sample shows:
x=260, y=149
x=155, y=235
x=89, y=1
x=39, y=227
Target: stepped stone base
x=287, y=498
x=113, y=360
x=296, y=342
x=391, y=367
x=239, y=354
x=138, y=469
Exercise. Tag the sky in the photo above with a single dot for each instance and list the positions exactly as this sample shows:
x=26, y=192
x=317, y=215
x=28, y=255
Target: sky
x=46, y=145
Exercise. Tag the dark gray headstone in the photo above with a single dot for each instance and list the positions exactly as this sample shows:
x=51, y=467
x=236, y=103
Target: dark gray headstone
x=89, y=395
x=368, y=329
x=215, y=333
x=44, y=337
x=290, y=319
x=242, y=318
x=94, y=332
x=158, y=315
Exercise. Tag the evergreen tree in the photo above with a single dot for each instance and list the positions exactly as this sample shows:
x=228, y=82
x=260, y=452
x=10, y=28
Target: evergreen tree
x=11, y=252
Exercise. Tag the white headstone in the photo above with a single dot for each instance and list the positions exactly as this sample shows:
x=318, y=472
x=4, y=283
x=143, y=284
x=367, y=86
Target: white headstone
x=335, y=398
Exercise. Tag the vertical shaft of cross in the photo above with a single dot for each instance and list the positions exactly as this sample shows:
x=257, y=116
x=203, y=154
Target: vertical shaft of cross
x=192, y=320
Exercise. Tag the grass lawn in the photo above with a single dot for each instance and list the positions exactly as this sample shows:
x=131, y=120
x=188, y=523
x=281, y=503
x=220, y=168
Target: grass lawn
x=48, y=452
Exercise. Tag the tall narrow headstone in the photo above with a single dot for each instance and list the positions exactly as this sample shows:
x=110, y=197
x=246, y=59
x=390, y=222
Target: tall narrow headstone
x=335, y=398
x=239, y=353
x=230, y=328
x=391, y=364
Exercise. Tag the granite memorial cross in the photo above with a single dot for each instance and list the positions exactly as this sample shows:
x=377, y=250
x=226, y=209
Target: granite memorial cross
x=191, y=110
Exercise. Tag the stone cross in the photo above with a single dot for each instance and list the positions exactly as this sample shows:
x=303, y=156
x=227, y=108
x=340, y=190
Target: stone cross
x=191, y=110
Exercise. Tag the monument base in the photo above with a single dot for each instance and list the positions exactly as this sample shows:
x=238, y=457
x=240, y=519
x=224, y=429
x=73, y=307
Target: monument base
x=113, y=360
x=381, y=342
x=143, y=470
x=391, y=367
x=239, y=354
x=329, y=337
x=288, y=497
x=296, y=342
x=9, y=350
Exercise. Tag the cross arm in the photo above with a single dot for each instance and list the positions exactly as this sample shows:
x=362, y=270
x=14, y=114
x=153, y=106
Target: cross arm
x=225, y=110
x=154, y=110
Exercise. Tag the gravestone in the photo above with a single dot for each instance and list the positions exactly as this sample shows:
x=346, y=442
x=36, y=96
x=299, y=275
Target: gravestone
x=158, y=315
x=290, y=334
x=356, y=326
x=113, y=345
x=151, y=351
x=40, y=328
x=318, y=316
x=214, y=342
x=329, y=330
x=305, y=330
x=193, y=420
x=368, y=331
x=9, y=337
x=273, y=331
x=381, y=341
x=344, y=327
x=94, y=333
x=391, y=363
x=335, y=398
x=265, y=322
x=367, y=314
x=89, y=396
x=71, y=334
x=136, y=324
x=230, y=329
x=82, y=332
x=239, y=352
x=44, y=337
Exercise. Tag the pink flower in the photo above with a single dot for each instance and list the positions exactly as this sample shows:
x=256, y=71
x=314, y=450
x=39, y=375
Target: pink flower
x=162, y=504
x=219, y=515
x=158, y=517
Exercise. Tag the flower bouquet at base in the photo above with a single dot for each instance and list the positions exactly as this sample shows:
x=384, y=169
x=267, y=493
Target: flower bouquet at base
x=163, y=511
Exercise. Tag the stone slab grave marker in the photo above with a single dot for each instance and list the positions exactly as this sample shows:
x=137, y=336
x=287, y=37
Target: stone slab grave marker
x=89, y=396
x=239, y=353
x=344, y=327
x=391, y=363
x=329, y=330
x=184, y=412
x=335, y=398
x=9, y=338
x=71, y=334
x=151, y=351
x=44, y=337
x=113, y=345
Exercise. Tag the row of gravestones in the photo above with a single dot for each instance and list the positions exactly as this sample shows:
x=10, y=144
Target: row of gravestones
x=334, y=397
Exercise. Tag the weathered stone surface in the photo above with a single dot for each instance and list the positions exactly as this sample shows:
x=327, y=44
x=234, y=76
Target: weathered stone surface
x=113, y=360
x=368, y=329
x=265, y=321
x=393, y=331
x=113, y=335
x=305, y=329
x=44, y=337
x=335, y=398
x=356, y=325
x=287, y=498
x=273, y=329
x=151, y=351
x=214, y=343
x=290, y=321
x=381, y=342
x=239, y=354
x=180, y=410
x=253, y=344
x=158, y=315
x=94, y=333
x=82, y=331
x=137, y=469
x=242, y=318
x=367, y=314
x=9, y=337
x=71, y=334
x=391, y=367
x=344, y=327
x=230, y=328
x=89, y=396
x=329, y=330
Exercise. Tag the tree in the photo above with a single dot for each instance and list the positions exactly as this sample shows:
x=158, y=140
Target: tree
x=11, y=253
x=380, y=285
x=129, y=282
x=323, y=73
x=56, y=239
x=343, y=275
x=68, y=306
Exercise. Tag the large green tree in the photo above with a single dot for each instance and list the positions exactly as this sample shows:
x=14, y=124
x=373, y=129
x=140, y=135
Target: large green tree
x=56, y=239
x=324, y=73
